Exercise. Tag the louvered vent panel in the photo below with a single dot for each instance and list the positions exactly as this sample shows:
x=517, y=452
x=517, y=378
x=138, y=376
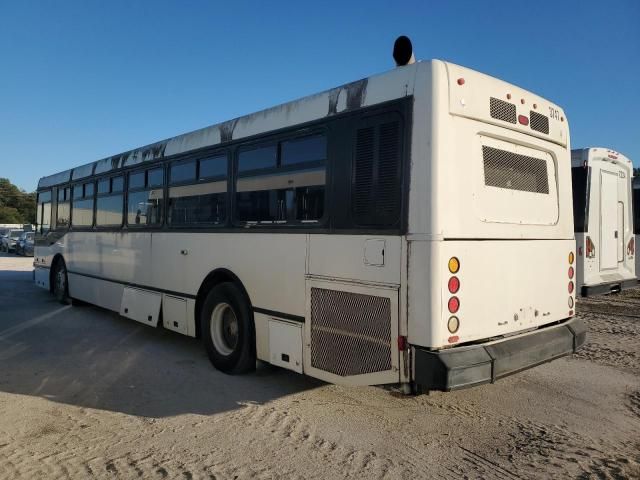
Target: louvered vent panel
x=513, y=171
x=364, y=162
x=538, y=122
x=388, y=184
x=502, y=110
x=377, y=174
x=350, y=332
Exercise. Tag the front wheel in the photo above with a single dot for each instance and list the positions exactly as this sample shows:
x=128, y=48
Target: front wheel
x=227, y=329
x=60, y=283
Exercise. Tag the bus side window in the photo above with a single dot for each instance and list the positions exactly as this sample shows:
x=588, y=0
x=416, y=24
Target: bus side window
x=44, y=212
x=202, y=203
x=284, y=185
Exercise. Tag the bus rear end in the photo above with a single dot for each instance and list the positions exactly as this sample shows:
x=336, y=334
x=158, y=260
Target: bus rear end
x=603, y=205
x=491, y=283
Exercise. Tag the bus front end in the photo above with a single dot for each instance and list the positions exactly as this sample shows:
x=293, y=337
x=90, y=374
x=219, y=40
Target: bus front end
x=492, y=262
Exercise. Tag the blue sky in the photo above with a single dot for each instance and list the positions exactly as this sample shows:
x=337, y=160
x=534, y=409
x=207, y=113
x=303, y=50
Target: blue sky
x=82, y=80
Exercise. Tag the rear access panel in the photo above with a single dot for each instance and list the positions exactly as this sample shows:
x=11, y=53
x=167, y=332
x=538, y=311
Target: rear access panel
x=351, y=335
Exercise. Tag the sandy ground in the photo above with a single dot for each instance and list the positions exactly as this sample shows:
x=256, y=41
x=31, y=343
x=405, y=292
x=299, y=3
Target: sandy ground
x=87, y=394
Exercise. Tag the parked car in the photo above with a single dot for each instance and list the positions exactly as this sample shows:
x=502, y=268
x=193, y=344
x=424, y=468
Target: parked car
x=27, y=250
x=9, y=242
x=21, y=243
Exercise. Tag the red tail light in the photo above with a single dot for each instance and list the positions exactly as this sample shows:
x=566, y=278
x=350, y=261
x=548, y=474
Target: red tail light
x=590, y=248
x=454, y=304
x=631, y=247
x=570, y=288
x=570, y=272
x=454, y=284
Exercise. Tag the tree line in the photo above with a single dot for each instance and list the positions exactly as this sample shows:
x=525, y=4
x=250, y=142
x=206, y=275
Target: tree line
x=16, y=205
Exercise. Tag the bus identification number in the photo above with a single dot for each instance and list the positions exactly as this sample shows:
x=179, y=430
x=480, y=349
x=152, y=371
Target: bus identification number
x=554, y=113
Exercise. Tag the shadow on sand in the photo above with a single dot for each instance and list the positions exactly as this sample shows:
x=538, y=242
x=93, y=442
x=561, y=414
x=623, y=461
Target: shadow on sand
x=90, y=357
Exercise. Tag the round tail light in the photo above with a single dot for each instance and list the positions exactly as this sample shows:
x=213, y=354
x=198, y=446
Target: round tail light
x=454, y=285
x=454, y=304
x=453, y=324
x=570, y=287
x=454, y=265
x=570, y=272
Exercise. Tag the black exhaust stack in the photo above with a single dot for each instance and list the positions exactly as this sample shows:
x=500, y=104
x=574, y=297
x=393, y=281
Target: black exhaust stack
x=403, y=51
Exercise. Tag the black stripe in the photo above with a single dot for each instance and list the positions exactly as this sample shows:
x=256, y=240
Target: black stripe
x=135, y=285
x=273, y=313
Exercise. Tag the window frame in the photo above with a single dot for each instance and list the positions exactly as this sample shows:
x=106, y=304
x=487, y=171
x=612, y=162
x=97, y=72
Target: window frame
x=278, y=139
x=111, y=193
x=82, y=183
x=66, y=199
x=39, y=213
x=225, y=152
x=145, y=170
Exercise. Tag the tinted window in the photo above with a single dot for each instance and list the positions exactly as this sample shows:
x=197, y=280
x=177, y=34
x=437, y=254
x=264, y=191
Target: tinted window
x=88, y=189
x=117, y=184
x=64, y=213
x=103, y=186
x=44, y=196
x=83, y=213
x=182, y=172
x=580, y=183
x=145, y=208
x=264, y=157
x=307, y=149
x=45, y=217
x=155, y=177
x=291, y=196
x=198, y=204
x=63, y=194
x=136, y=180
x=213, y=167
x=78, y=192
x=109, y=210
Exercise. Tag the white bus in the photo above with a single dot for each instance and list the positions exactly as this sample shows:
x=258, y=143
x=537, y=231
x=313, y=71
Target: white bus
x=636, y=217
x=413, y=228
x=603, y=220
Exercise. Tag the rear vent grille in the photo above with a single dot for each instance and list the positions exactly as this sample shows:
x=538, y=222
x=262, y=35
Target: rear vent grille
x=377, y=172
x=513, y=171
x=502, y=110
x=350, y=332
x=539, y=122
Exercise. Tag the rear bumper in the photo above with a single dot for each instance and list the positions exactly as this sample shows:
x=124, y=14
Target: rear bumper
x=463, y=367
x=610, y=287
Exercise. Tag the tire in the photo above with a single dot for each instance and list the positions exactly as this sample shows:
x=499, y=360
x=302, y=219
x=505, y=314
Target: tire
x=228, y=333
x=61, y=283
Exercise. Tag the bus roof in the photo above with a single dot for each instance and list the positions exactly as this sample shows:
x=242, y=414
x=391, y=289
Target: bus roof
x=390, y=85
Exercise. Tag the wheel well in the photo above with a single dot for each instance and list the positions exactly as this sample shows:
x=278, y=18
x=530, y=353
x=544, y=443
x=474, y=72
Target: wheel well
x=57, y=258
x=218, y=276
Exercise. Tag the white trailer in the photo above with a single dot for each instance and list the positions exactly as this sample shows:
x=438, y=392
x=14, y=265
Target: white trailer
x=603, y=220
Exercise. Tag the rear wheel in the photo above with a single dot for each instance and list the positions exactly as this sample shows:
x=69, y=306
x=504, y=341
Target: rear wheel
x=227, y=329
x=61, y=283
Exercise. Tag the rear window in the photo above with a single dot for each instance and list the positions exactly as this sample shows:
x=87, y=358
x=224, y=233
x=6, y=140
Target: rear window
x=516, y=184
x=16, y=233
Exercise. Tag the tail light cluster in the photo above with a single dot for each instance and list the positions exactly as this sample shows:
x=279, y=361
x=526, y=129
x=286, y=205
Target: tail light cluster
x=590, y=248
x=571, y=273
x=631, y=247
x=454, y=302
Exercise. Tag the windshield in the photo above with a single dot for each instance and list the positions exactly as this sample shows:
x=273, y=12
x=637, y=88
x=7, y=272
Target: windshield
x=16, y=234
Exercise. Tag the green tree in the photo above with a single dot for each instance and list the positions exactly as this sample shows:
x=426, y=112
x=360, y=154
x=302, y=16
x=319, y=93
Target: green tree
x=16, y=205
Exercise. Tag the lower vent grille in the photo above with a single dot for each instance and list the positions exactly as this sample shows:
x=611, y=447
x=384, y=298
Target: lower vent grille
x=350, y=332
